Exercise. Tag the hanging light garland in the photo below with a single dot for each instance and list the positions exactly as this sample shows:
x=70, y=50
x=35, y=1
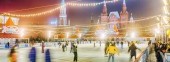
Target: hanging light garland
x=76, y=4
x=57, y=8
x=32, y=15
x=89, y=4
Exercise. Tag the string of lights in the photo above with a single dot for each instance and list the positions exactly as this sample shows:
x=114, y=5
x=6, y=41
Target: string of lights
x=44, y=6
x=89, y=4
x=55, y=9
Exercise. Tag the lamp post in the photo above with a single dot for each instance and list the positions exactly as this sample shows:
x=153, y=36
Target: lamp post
x=157, y=32
x=80, y=35
x=49, y=35
x=133, y=35
x=67, y=35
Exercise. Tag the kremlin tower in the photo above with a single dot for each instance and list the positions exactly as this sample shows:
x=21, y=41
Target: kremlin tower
x=63, y=15
x=104, y=15
x=124, y=15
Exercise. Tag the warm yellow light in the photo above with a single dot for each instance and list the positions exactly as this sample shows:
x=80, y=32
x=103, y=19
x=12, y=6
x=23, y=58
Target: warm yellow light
x=67, y=34
x=22, y=32
x=133, y=35
x=157, y=30
x=157, y=18
x=49, y=34
x=103, y=36
x=165, y=2
x=80, y=35
x=165, y=10
x=165, y=20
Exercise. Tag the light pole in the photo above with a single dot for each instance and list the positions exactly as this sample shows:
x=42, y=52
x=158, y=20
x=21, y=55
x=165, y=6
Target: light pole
x=157, y=32
x=67, y=35
x=80, y=35
x=133, y=35
x=49, y=35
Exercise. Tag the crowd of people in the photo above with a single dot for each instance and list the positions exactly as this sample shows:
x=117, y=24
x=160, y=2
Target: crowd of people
x=161, y=47
x=111, y=49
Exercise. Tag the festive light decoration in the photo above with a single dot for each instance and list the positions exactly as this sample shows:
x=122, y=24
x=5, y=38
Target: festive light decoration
x=165, y=9
x=57, y=8
x=165, y=2
x=32, y=15
x=81, y=5
x=89, y=4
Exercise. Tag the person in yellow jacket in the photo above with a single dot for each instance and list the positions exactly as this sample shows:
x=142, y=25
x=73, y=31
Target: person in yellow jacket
x=112, y=50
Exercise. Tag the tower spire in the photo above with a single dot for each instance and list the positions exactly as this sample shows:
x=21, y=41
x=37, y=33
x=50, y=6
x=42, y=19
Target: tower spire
x=124, y=8
x=124, y=2
x=104, y=2
x=63, y=15
x=92, y=21
x=104, y=8
x=104, y=15
x=131, y=18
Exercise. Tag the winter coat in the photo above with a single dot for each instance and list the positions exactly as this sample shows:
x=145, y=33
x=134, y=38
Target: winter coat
x=132, y=50
x=112, y=50
x=74, y=48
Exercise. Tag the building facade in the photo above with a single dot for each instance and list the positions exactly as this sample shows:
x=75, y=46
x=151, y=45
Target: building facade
x=104, y=15
x=63, y=14
x=124, y=15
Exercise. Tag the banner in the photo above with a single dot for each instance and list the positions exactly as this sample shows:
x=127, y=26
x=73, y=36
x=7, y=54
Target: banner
x=4, y=19
x=10, y=24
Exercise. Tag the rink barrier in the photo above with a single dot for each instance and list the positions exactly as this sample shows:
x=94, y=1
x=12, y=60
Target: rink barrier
x=164, y=58
x=23, y=45
x=143, y=57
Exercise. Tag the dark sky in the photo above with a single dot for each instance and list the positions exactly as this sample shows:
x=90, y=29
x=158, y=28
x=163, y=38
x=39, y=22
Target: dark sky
x=78, y=15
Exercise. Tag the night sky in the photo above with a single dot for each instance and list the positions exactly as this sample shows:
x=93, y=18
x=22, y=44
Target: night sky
x=78, y=15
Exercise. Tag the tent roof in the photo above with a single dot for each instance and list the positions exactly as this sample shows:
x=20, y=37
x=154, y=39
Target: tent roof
x=9, y=22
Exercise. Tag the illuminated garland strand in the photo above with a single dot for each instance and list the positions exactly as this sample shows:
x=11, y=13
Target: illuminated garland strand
x=32, y=15
x=89, y=4
x=53, y=10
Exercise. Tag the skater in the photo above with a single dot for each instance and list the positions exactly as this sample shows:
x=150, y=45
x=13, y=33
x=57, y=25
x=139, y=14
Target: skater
x=75, y=52
x=100, y=43
x=94, y=44
x=132, y=50
x=12, y=55
x=112, y=50
x=59, y=43
x=122, y=44
x=128, y=43
x=63, y=48
x=8, y=45
x=71, y=47
x=105, y=49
